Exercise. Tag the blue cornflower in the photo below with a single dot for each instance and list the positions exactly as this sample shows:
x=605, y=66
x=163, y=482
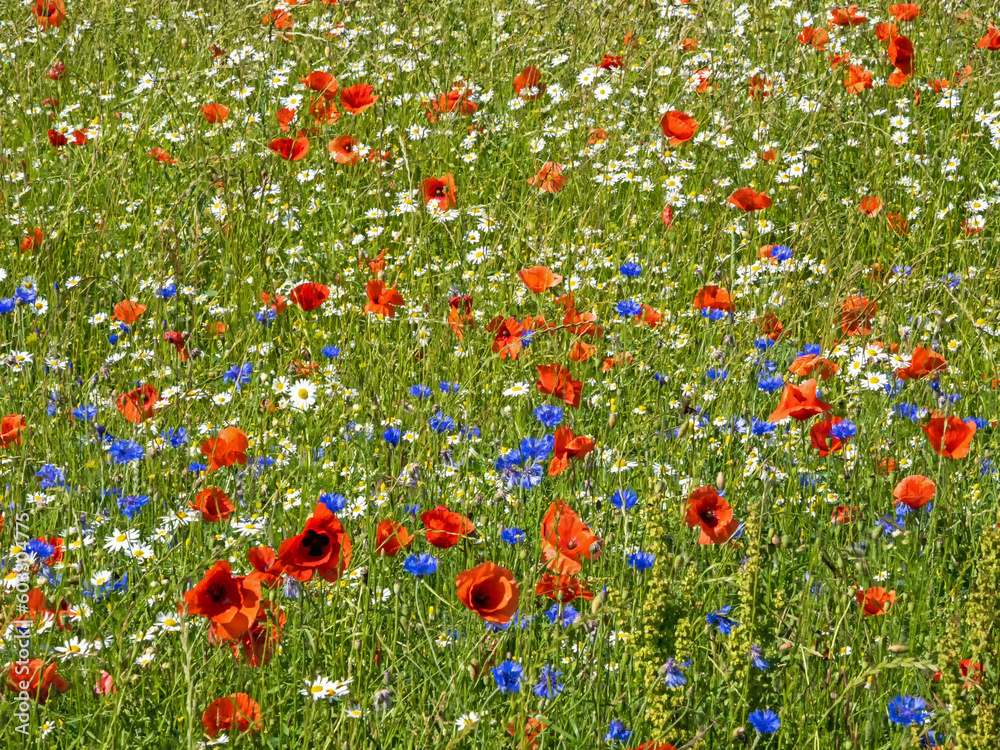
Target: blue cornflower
x=673, y=675
x=508, y=676
x=630, y=270
x=765, y=721
x=392, y=435
x=412, y=509
x=660, y=378
x=51, y=476
x=771, y=384
x=513, y=535
x=810, y=349
x=420, y=391
x=904, y=271
x=907, y=709
x=628, y=308
x=909, y=411
x=739, y=425
x=932, y=739
x=763, y=343
x=330, y=352
x=7, y=305
x=266, y=317
x=26, y=294
x=624, y=499
x=334, y=501
x=40, y=549
x=762, y=427
x=719, y=620
x=568, y=614
x=177, y=437
x=538, y=449
x=442, y=423
x=548, y=683
x=52, y=408
x=126, y=451
x=979, y=422
x=781, y=253
x=641, y=560
x=713, y=373
x=239, y=374
x=757, y=659
x=713, y=314
x=85, y=413
x=447, y=387
x=132, y=504
x=549, y=415
x=617, y=732
x=844, y=430
x=167, y=291
x=518, y=622
x=196, y=467
x=420, y=565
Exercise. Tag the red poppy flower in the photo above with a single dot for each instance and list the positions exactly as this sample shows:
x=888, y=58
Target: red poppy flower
x=965, y=667
x=905, y=11
x=557, y=380
x=875, y=601
x=39, y=611
x=886, y=31
x=213, y=504
x=42, y=682
x=309, y=295
x=322, y=83
x=227, y=449
x=237, y=711
x=900, y=54
x=539, y=278
x=819, y=436
x=50, y=14
x=870, y=205
x=343, y=149
x=215, y=113
x=391, y=538
x=382, y=300
x=507, y=337
x=799, y=402
x=163, y=157
x=844, y=514
x=549, y=178
x=846, y=17
x=357, y=98
x=57, y=139
x=284, y=116
x=713, y=298
x=770, y=325
x=138, y=405
x=857, y=314
x=323, y=112
x=708, y=510
x=858, y=79
x=180, y=343
x=323, y=548
x=748, y=199
x=231, y=603
x=567, y=446
x=610, y=62
x=262, y=559
x=950, y=437
x=924, y=362
x=456, y=100
x=914, y=491
x=10, y=429
x=562, y=588
x=33, y=241
x=291, y=149
x=816, y=38
x=440, y=191
x=460, y=314
x=260, y=642
x=128, y=312
x=490, y=591
x=566, y=539
x=897, y=223
x=282, y=20
x=990, y=41
x=678, y=127
x=445, y=528
x=528, y=83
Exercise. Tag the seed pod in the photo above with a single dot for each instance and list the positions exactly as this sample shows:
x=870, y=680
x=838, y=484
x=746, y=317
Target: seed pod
x=898, y=648
x=613, y=419
x=720, y=482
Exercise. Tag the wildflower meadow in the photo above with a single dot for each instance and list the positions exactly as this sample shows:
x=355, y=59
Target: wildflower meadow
x=481, y=375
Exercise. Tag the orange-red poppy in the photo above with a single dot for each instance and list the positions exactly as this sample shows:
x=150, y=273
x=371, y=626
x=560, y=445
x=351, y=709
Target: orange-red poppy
x=324, y=112
x=215, y=113
x=886, y=31
x=846, y=17
x=343, y=149
x=50, y=14
x=870, y=205
x=858, y=79
x=875, y=601
x=900, y=54
x=914, y=491
x=712, y=297
x=610, y=62
x=322, y=83
x=581, y=351
x=566, y=539
x=231, y=603
x=819, y=436
x=213, y=504
x=357, y=98
x=678, y=126
x=283, y=20
x=309, y=295
x=990, y=41
x=965, y=667
x=382, y=300
x=260, y=642
x=815, y=38
x=391, y=538
x=896, y=221
x=507, y=337
x=33, y=240
x=707, y=510
x=563, y=589
x=138, y=404
x=490, y=591
x=905, y=11
x=445, y=528
x=567, y=446
x=10, y=429
x=237, y=711
x=163, y=157
x=128, y=312
x=857, y=314
x=227, y=449
x=813, y=364
x=748, y=199
x=456, y=100
x=950, y=436
x=440, y=191
x=285, y=116
x=558, y=381
x=654, y=745
x=844, y=514
x=323, y=548
x=42, y=682
x=923, y=362
x=770, y=325
x=262, y=559
x=799, y=402
x=290, y=149
x=539, y=279
x=528, y=83
x=550, y=178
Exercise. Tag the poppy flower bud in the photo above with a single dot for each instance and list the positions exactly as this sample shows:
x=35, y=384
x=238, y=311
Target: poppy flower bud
x=596, y=547
x=184, y=43
x=105, y=685
x=397, y=587
x=678, y=562
x=599, y=601
x=776, y=540
x=785, y=646
x=613, y=419
x=720, y=482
